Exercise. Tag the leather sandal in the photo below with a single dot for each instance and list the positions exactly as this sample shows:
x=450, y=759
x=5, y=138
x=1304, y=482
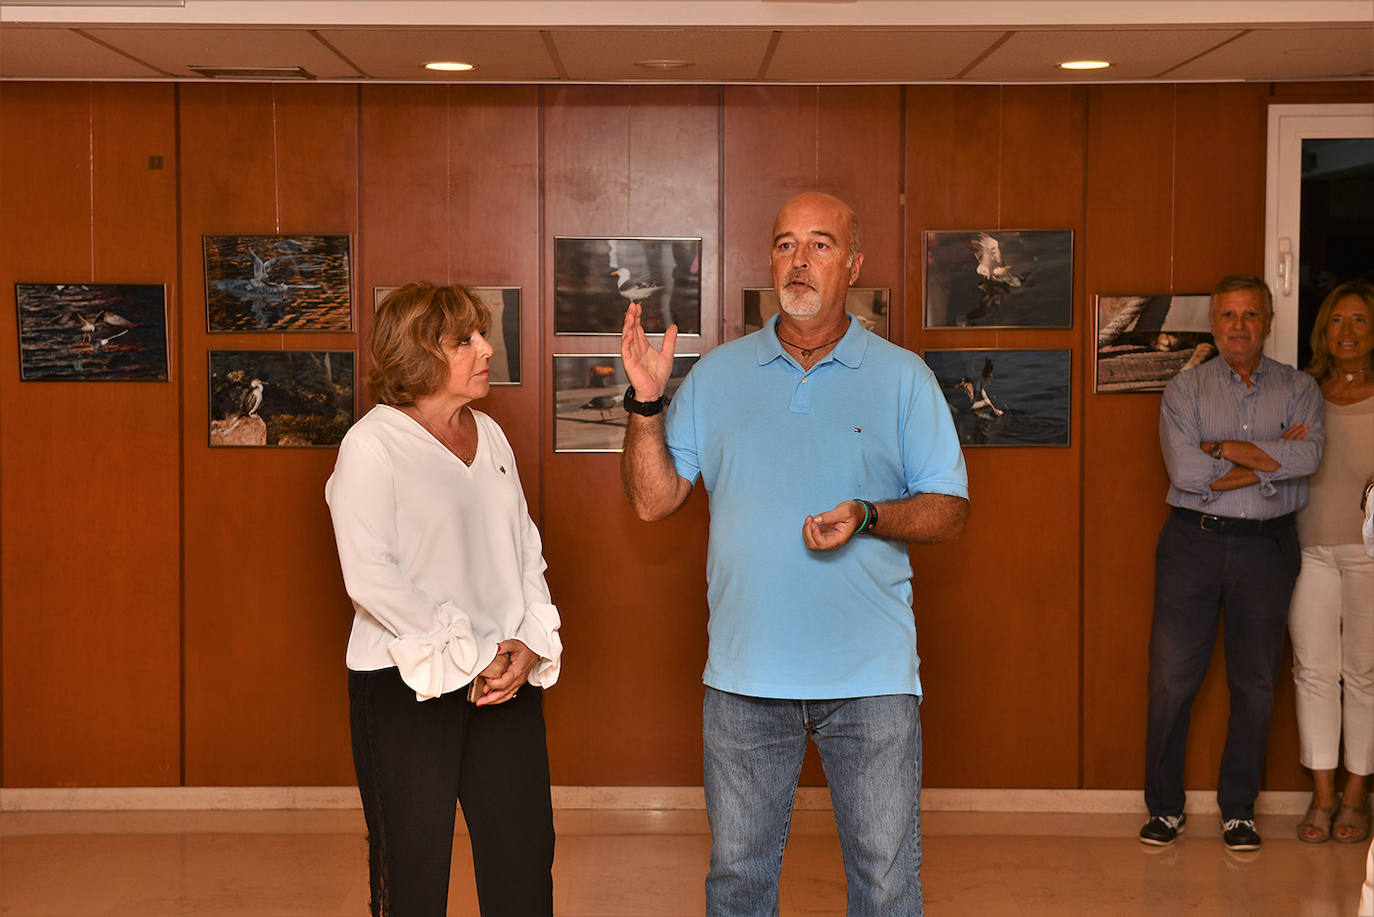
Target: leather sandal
x=1315, y=827
x=1352, y=818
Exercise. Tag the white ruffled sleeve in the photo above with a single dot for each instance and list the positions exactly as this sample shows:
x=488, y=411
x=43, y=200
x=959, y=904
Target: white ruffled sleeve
x=539, y=627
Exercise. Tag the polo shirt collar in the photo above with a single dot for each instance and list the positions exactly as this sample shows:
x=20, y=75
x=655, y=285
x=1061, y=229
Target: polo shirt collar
x=849, y=351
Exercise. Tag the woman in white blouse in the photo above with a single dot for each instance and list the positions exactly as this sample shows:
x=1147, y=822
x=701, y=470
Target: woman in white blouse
x=454, y=636
x=1331, y=618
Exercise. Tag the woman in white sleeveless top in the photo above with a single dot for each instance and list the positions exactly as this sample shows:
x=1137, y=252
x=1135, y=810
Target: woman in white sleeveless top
x=1331, y=620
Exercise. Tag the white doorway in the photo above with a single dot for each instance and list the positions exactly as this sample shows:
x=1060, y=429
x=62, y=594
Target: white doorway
x=1310, y=147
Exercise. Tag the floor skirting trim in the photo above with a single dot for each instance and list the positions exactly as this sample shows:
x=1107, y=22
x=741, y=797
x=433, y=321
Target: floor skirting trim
x=934, y=799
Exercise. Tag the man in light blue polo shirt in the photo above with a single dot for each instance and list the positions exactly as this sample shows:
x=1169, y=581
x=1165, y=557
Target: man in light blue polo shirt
x=811, y=625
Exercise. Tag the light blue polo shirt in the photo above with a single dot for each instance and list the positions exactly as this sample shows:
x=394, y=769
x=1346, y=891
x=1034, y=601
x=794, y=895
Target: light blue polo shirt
x=774, y=444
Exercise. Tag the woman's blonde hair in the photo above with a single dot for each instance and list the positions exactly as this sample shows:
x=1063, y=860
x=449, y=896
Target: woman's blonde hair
x=407, y=335
x=1321, y=364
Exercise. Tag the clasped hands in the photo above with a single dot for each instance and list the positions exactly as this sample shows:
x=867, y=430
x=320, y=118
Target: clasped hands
x=507, y=672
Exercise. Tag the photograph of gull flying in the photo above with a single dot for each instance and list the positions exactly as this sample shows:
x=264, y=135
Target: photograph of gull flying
x=1002, y=278
x=1144, y=341
x=588, y=396
x=278, y=283
x=280, y=398
x=1005, y=397
x=595, y=279
x=88, y=332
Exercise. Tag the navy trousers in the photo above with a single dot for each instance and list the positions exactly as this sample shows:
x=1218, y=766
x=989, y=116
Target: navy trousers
x=1197, y=574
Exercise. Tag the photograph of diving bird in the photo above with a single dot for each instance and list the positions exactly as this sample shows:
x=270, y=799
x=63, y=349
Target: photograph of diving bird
x=999, y=278
x=980, y=400
x=300, y=282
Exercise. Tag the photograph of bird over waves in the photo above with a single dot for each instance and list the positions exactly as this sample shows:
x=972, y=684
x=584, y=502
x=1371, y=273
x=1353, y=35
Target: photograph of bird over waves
x=867, y=304
x=1005, y=397
x=1144, y=341
x=596, y=279
x=588, y=396
x=278, y=283
x=92, y=332
x=503, y=335
x=1003, y=278
x=280, y=397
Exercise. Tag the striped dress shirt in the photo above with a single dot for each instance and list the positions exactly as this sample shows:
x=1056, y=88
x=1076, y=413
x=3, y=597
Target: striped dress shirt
x=1210, y=402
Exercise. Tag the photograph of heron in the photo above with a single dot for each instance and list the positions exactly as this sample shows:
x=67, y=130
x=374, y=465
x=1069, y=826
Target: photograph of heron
x=588, y=391
x=595, y=279
x=280, y=397
x=1001, y=278
x=299, y=282
x=92, y=332
x=1144, y=341
x=1005, y=397
x=867, y=304
x=503, y=335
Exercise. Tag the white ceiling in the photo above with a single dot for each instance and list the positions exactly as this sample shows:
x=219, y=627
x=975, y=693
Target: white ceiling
x=726, y=41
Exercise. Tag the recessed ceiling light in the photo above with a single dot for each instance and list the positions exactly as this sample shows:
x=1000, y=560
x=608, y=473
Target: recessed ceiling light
x=450, y=66
x=1084, y=64
x=664, y=64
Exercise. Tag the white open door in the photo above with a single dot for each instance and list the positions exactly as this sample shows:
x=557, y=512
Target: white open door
x=1289, y=126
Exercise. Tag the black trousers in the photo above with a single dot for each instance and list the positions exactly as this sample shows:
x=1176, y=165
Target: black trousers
x=1196, y=574
x=416, y=761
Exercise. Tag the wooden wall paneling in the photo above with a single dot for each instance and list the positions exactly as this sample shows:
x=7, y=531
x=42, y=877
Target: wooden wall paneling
x=632, y=161
x=90, y=509
x=266, y=616
x=1130, y=220
x=493, y=213
x=1219, y=230
x=780, y=141
x=992, y=157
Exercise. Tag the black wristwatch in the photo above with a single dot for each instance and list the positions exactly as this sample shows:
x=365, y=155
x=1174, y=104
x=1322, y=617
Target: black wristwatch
x=644, y=408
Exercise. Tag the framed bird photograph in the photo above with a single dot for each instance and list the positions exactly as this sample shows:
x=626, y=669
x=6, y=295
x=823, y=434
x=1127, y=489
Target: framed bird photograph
x=1005, y=397
x=1145, y=340
x=999, y=279
x=868, y=304
x=92, y=332
x=588, y=396
x=300, y=282
x=280, y=397
x=596, y=279
x=503, y=335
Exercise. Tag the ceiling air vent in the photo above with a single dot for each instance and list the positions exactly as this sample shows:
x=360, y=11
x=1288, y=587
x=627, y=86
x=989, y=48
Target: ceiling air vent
x=253, y=73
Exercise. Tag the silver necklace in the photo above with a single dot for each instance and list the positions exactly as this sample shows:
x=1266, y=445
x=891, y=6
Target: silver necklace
x=444, y=439
x=1350, y=377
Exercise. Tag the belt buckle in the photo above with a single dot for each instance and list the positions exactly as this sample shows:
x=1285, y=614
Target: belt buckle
x=1217, y=524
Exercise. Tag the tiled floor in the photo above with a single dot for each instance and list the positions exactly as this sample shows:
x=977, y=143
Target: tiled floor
x=645, y=863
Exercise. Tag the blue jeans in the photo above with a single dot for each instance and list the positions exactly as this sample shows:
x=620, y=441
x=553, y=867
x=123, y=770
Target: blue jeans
x=871, y=750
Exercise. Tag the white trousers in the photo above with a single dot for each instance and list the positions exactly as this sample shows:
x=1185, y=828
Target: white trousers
x=1331, y=623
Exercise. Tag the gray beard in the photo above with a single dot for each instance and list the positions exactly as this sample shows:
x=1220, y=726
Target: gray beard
x=800, y=305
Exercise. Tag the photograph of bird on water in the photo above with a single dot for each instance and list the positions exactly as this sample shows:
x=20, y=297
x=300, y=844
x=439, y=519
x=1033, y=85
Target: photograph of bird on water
x=90, y=332
x=299, y=282
x=588, y=399
x=1144, y=341
x=595, y=279
x=1005, y=397
x=280, y=397
x=999, y=278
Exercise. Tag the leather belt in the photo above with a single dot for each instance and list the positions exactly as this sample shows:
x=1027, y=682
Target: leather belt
x=1229, y=525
